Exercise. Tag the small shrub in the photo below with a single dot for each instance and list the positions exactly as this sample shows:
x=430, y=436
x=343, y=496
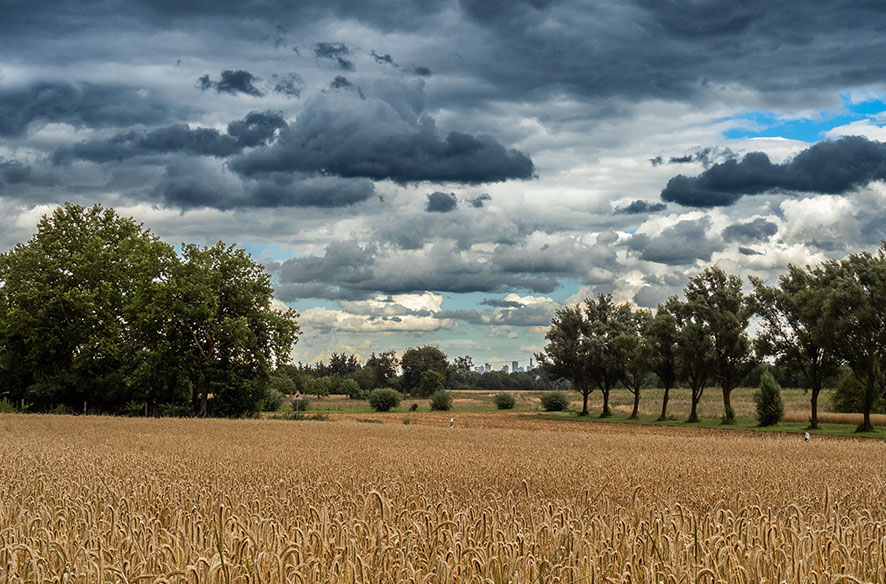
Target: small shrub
x=7, y=407
x=350, y=388
x=770, y=406
x=441, y=401
x=504, y=401
x=384, y=399
x=272, y=401
x=554, y=401
x=413, y=407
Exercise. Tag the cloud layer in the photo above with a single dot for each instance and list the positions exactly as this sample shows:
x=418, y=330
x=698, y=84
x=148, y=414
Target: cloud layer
x=452, y=172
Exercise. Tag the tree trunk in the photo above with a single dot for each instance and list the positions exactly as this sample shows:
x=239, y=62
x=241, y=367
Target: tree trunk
x=813, y=421
x=728, y=412
x=636, y=404
x=584, y=404
x=204, y=385
x=869, y=395
x=606, y=411
x=664, y=405
x=693, y=415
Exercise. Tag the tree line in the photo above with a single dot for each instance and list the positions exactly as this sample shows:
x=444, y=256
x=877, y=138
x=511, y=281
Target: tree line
x=97, y=312
x=419, y=371
x=815, y=321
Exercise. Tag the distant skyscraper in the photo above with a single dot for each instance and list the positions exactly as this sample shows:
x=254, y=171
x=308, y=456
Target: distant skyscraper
x=505, y=368
x=514, y=366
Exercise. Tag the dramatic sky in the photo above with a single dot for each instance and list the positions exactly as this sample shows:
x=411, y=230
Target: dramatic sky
x=448, y=172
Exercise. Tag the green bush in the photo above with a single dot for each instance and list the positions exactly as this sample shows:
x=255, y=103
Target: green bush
x=319, y=386
x=441, y=401
x=554, y=401
x=504, y=401
x=384, y=399
x=770, y=406
x=430, y=383
x=847, y=396
x=7, y=407
x=350, y=388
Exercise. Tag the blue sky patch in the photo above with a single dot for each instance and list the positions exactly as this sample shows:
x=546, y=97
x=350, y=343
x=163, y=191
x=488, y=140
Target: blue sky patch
x=772, y=125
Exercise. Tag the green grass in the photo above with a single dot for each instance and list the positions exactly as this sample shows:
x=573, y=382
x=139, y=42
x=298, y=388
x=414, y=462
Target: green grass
x=741, y=424
x=710, y=409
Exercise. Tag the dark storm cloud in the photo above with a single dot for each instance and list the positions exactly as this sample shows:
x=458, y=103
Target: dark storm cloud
x=441, y=202
x=79, y=104
x=786, y=52
x=751, y=231
x=348, y=270
x=190, y=185
x=831, y=167
x=340, y=83
x=419, y=70
x=480, y=200
x=288, y=84
x=705, y=156
x=677, y=50
x=637, y=207
x=255, y=129
x=335, y=53
x=386, y=59
x=748, y=251
x=381, y=139
x=323, y=192
x=682, y=243
x=232, y=82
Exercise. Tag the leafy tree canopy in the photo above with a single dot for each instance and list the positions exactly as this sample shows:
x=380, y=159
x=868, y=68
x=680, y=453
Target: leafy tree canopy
x=95, y=308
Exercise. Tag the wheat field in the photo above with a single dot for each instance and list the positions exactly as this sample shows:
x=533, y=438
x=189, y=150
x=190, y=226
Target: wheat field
x=499, y=498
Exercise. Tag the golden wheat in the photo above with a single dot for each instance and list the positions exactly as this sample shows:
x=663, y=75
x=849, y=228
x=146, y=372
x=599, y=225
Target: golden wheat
x=91, y=499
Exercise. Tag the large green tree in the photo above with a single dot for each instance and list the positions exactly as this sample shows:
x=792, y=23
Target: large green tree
x=638, y=356
x=607, y=322
x=715, y=299
x=384, y=367
x=796, y=327
x=584, y=347
x=94, y=308
x=694, y=355
x=660, y=334
x=565, y=356
x=857, y=312
x=417, y=360
x=72, y=299
x=215, y=320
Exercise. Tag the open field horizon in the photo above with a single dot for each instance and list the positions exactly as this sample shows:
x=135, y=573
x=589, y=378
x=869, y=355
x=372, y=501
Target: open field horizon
x=797, y=406
x=87, y=498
